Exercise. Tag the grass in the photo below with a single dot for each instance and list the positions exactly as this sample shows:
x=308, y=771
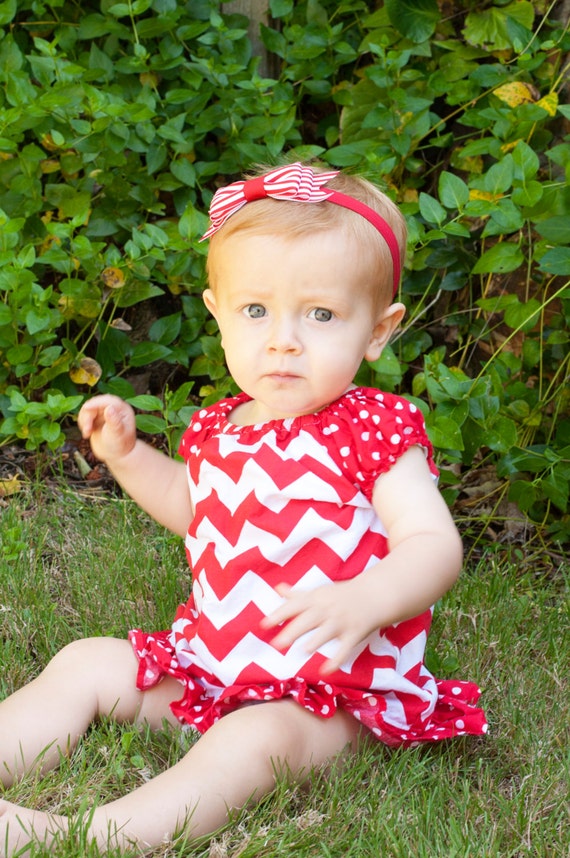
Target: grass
x=72, y=566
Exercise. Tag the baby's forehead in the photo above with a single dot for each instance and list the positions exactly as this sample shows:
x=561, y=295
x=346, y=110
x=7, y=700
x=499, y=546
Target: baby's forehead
x=284, y=223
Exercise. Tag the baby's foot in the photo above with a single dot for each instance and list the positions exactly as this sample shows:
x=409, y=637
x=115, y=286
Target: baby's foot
x=19, y=826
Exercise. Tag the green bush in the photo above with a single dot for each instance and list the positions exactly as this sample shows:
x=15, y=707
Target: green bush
x=119, y=120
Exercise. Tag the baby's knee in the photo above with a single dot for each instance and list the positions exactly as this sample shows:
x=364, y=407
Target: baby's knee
x=84, y=656
x=74, y=655
x=271, y=734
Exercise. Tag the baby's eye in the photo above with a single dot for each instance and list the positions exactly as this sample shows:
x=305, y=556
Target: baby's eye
x=320, y=314
x=254, y=311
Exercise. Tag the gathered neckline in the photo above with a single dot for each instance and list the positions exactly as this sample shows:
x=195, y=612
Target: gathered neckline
x=286, y=424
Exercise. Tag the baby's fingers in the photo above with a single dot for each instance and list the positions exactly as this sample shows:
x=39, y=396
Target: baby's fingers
x=284, y=612
x=93, y=413
x=86, y=419
x=296, y=627
x=342, y=654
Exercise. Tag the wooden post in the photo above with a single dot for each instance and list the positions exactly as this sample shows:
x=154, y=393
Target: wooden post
x=258, y=13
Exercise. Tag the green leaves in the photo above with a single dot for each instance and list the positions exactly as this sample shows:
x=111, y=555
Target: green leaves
x=415, y=19
x=501, y=258
x=118, y=121
x=8, y=9
x=453, y=191
x=501, y=28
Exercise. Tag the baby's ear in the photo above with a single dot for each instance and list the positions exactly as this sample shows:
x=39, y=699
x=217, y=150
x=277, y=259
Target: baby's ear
x=210, y=301
x=386, y=323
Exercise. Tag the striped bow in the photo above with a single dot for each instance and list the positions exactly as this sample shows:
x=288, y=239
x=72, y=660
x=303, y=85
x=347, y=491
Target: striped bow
x=298, y=184
x=293, y=182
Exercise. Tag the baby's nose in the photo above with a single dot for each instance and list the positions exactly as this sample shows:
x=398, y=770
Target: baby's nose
x=284, y=336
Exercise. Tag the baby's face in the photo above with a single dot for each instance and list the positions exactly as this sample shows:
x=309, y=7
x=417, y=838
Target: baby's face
x=296, y=318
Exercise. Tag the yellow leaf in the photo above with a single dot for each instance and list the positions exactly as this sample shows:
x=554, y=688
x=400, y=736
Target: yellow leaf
x=175, y=286
x=48, y=143
x=514, y=93
x=549, y=103
x=410, y=195
x=113, y=277
x=10, y=487
x=88, y=372
x=474, y=194
x=49, y=165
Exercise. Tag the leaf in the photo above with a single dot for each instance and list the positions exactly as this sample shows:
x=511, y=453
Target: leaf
x=555, y=229
x=280, y=8
x=528, y=194
x=523, y=493
x=488, y=28
x=316, y=14
x=8, y=10
x=514, y=93
x=146, y=402
x=501, y=436
x=87, y=372
x=555, y=488
x=483, y=196
x=193, y=223
x=525, y=460
x=145, y=353
x=549, y=103
x=444, y=432
x=453, y=192
x=506, y=216
x=37, y=320
x=500, y=259
x=50, y=432
x=431, y=210
x=10, y=486
x=556, y=261
x=113, y=278
x=525, y=160
x=134, y=293
x=166, y=329
x=499, y=176
x=415, y=20
x=150, y=423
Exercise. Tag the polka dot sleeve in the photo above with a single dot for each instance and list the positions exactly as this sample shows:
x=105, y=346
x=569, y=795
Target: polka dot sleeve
x=376, y=429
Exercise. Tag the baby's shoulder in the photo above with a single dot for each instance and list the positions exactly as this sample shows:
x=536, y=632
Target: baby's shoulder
x=368, y=430
x=363, y=405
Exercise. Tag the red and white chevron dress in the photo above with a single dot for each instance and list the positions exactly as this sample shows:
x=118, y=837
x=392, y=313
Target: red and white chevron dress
x=289, y=501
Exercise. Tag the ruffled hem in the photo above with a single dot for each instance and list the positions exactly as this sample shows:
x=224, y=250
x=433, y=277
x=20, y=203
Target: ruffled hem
x=204, y=701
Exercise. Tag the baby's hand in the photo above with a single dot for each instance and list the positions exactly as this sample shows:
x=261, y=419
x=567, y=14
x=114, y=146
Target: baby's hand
x=337, y=612
x=109, y=424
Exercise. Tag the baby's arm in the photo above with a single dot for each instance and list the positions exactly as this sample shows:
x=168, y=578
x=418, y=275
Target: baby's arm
x=158, y=484
x=424, y=560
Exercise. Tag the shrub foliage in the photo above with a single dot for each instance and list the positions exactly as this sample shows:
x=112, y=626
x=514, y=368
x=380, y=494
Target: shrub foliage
x=118, y=120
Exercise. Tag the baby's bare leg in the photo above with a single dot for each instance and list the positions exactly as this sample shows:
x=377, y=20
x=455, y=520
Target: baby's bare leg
x=235, y=762
x=87, y=679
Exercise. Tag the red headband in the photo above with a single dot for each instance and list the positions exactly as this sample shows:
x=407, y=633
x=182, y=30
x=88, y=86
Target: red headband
x=296, y=183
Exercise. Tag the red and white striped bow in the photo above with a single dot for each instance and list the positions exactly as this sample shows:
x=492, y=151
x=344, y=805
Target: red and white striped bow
x=293, y=182
x=297, y=183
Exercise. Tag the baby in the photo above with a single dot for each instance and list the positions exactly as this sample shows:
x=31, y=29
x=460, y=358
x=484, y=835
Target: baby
x=316, y=535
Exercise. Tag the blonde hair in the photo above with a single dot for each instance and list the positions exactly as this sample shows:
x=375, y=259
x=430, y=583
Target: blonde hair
x=290, y=219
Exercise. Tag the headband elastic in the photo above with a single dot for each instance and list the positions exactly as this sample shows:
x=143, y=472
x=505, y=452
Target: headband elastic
x=296, y=183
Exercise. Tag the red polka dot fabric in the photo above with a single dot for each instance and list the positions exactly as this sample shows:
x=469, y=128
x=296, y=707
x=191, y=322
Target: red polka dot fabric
x=289, y=501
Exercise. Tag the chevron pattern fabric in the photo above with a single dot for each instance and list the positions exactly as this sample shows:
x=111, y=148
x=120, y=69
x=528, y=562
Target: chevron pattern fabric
x=289, y=501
